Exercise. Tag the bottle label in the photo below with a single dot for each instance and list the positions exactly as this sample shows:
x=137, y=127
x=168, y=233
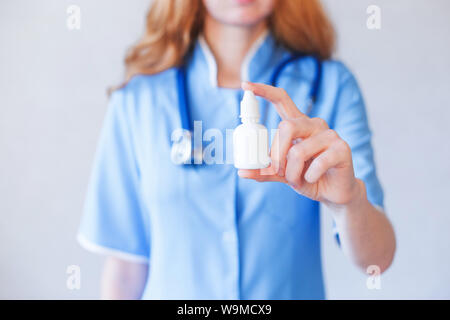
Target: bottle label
x=251, y=146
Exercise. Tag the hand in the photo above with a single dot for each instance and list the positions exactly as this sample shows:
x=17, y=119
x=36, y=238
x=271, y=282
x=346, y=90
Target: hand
x=306, y=154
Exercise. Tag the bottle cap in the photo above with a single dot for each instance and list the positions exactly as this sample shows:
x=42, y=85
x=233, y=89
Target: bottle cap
x=249, y=105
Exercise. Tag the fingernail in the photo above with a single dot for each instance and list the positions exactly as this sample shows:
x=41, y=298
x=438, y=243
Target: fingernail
x=281, y=172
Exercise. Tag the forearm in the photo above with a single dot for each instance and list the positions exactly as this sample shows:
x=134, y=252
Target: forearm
x=365, y=233
x=122, y=280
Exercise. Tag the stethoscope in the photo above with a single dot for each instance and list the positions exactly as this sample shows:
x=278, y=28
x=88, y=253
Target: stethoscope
x=182, y=152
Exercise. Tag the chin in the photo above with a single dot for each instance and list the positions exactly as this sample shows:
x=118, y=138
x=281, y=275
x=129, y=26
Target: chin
x=242, y=17
x=240, y=12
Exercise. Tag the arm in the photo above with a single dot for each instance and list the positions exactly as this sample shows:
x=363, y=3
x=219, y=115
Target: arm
x=365, y=233
x=311, y=158
x=122, y=279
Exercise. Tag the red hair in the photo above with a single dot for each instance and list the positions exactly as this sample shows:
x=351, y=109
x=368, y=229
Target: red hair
x=173, y=25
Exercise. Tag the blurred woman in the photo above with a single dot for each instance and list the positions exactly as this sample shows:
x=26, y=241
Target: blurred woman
x=207, y=230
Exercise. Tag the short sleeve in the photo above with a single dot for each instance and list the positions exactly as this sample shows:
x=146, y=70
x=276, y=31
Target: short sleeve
x=351, y=123
x=113, y=221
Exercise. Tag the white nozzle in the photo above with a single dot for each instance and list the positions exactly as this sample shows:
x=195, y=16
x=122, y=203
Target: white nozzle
x=249, y=106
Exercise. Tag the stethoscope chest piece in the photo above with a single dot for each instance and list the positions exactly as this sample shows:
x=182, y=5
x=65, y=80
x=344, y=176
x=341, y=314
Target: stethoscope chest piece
x=182, y=151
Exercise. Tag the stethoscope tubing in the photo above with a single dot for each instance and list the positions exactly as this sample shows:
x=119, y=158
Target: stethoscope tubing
x=182, y=89
x=183, y=102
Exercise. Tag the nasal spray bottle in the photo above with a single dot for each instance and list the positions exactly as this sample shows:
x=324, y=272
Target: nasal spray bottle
x=250, y=139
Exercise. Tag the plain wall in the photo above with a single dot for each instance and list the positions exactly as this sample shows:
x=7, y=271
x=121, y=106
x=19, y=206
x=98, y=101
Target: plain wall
x=53, y=98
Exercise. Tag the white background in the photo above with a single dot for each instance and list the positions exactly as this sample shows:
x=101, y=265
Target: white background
x=53, y=98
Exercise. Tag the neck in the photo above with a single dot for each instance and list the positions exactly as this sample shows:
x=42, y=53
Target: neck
x=229, y=44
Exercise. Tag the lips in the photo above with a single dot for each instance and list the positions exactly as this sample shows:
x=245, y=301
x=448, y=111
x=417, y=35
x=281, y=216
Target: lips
x=244, y=2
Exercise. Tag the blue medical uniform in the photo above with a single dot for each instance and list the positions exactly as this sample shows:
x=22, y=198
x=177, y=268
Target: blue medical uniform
x=204, y=232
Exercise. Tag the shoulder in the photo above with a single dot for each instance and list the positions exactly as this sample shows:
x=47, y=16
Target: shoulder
x=340, y=83
x=144, y=90
x=337, y=71
x=339, y=92
x=143, y=83
x=334, y=73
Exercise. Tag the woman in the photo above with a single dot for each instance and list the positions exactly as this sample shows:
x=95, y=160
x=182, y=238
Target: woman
x=196, y=232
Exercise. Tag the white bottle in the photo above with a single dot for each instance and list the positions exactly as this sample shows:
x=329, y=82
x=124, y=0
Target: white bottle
x=250, y=139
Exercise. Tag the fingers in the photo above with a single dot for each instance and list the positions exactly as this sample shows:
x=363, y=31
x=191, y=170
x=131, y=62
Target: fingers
x=284, y=105
x=260, y=175
x=318, y=146
x=304, y=151
x=288, y=131
x=331, y=158
x=321, y=151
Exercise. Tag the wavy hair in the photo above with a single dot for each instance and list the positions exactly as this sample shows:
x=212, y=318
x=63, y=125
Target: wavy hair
x=172, y=26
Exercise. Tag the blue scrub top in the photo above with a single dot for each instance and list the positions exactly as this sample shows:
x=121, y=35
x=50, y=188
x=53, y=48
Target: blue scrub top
x=204, y=232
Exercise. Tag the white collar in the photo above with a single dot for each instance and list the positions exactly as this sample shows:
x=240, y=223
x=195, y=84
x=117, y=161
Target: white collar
x=212, y=65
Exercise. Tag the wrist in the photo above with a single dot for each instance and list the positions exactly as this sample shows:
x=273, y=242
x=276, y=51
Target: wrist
x=356, y=203
x=359, y=197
